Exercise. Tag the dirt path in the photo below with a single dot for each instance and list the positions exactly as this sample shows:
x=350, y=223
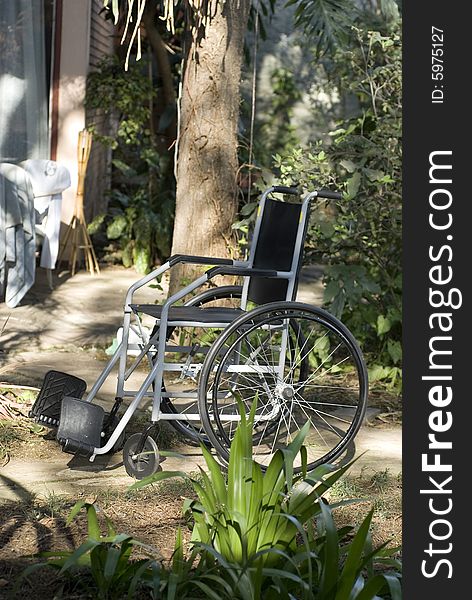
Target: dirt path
x=68, y=329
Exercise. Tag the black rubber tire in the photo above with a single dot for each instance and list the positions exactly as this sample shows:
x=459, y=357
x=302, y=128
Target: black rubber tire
x=146, y=463
x=250, y=323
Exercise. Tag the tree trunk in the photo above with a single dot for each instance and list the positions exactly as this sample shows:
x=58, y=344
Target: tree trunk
x=206, y=201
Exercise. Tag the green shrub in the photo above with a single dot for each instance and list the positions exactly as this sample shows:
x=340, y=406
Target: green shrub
x=255, y=535
x=359, y=238
x=140, y=215
x=257, y=528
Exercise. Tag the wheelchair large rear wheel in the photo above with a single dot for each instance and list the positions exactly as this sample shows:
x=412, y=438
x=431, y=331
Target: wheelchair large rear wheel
x=300, y=364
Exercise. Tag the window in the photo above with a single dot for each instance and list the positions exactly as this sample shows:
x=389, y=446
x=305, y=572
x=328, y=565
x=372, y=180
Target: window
x=25, y=54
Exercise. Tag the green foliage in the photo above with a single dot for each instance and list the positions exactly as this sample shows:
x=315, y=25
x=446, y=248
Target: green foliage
x=255, y=535
x=326, y=22
x=139, y=220
x=124, y=96
x=258, y=529
x=360, y=237
x=276, y=133
x=102, y=562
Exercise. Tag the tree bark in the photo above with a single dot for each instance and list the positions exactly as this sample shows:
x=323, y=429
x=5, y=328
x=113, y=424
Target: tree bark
x=206, y=200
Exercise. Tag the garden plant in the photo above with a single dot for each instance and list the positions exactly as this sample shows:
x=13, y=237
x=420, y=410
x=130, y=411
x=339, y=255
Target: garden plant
x=255, y=534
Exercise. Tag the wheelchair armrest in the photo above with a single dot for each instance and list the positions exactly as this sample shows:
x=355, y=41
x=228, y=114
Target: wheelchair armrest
x=246, y=272
x=173, y=260
x=198, y=260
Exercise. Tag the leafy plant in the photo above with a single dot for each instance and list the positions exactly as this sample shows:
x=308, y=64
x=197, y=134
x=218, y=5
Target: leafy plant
x=140, y=215
x=253, y=526
x=325, y=21
x=255, y=535
x=103, y=561
x=359, y=238
x=140, y=225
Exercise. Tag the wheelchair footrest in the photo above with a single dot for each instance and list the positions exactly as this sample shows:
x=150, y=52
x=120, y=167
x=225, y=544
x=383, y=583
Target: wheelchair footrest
x=80, y=426
x=56, y=385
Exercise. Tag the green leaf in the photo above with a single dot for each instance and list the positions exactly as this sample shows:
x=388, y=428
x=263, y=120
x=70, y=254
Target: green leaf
x=140, y=574
x=327, y=229
x=92, y=522
x=117, y=227
x=329, y=566
x=390, y=10
x=394, y=348
x=330, y=291
x=207, y=590
x=248, y=208
x=327, y=22
x=353, y=184
x=374, y=174
x=178, y=554
x=378, y=372
x=112, y=558
x=337, y=306
x=75, y=558
x=383, y=325
x=110, y=528
x=95, y=225
x=217, y=480
x=124, y=168
x=354, y=562
x=78, y=506
x=377, y=584
x=349, y=165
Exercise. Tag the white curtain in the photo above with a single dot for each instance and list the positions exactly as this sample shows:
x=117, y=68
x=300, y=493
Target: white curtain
x=23, y=86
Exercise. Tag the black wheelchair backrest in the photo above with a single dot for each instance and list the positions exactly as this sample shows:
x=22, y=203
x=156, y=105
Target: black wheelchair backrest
x=277, y=244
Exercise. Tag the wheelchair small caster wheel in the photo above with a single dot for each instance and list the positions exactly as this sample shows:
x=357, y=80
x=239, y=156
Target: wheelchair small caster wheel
x=143, y=464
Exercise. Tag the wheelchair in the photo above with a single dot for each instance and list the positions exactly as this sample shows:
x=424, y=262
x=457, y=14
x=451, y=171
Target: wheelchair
x=225, y=348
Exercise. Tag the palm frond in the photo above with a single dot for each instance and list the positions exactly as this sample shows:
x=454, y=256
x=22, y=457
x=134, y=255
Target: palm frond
x=327, y=22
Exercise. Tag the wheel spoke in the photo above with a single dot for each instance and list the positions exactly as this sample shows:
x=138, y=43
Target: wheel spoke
x=289, y=390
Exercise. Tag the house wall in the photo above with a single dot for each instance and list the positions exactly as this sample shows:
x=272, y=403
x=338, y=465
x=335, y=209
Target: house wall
x=98, y=178
x=85, y=38
x=74, y=61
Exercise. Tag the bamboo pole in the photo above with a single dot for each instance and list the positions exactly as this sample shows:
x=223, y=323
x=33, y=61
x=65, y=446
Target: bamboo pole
x=77, y=237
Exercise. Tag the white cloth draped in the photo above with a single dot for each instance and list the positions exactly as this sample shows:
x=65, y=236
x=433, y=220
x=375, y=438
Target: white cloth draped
x=49, y=180
x=17, y=233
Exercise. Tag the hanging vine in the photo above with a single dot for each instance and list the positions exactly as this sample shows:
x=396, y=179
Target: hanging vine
x=200, y=12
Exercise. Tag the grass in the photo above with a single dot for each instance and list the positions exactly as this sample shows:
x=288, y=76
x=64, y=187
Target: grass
x=170, y=488
x=35, y=507
x=380, y=490
x=154, y=513
x=15, y=434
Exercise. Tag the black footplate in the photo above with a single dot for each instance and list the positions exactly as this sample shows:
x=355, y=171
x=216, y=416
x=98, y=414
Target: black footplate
x=80, y=426
x=56, y=385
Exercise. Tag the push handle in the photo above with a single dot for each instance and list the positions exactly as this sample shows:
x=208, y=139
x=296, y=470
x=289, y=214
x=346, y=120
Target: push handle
x=283, y=189
x=329, y=195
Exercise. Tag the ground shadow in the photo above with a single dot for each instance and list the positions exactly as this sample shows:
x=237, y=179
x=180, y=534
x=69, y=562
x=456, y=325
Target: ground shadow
x=16, y=514
x=102, y=462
